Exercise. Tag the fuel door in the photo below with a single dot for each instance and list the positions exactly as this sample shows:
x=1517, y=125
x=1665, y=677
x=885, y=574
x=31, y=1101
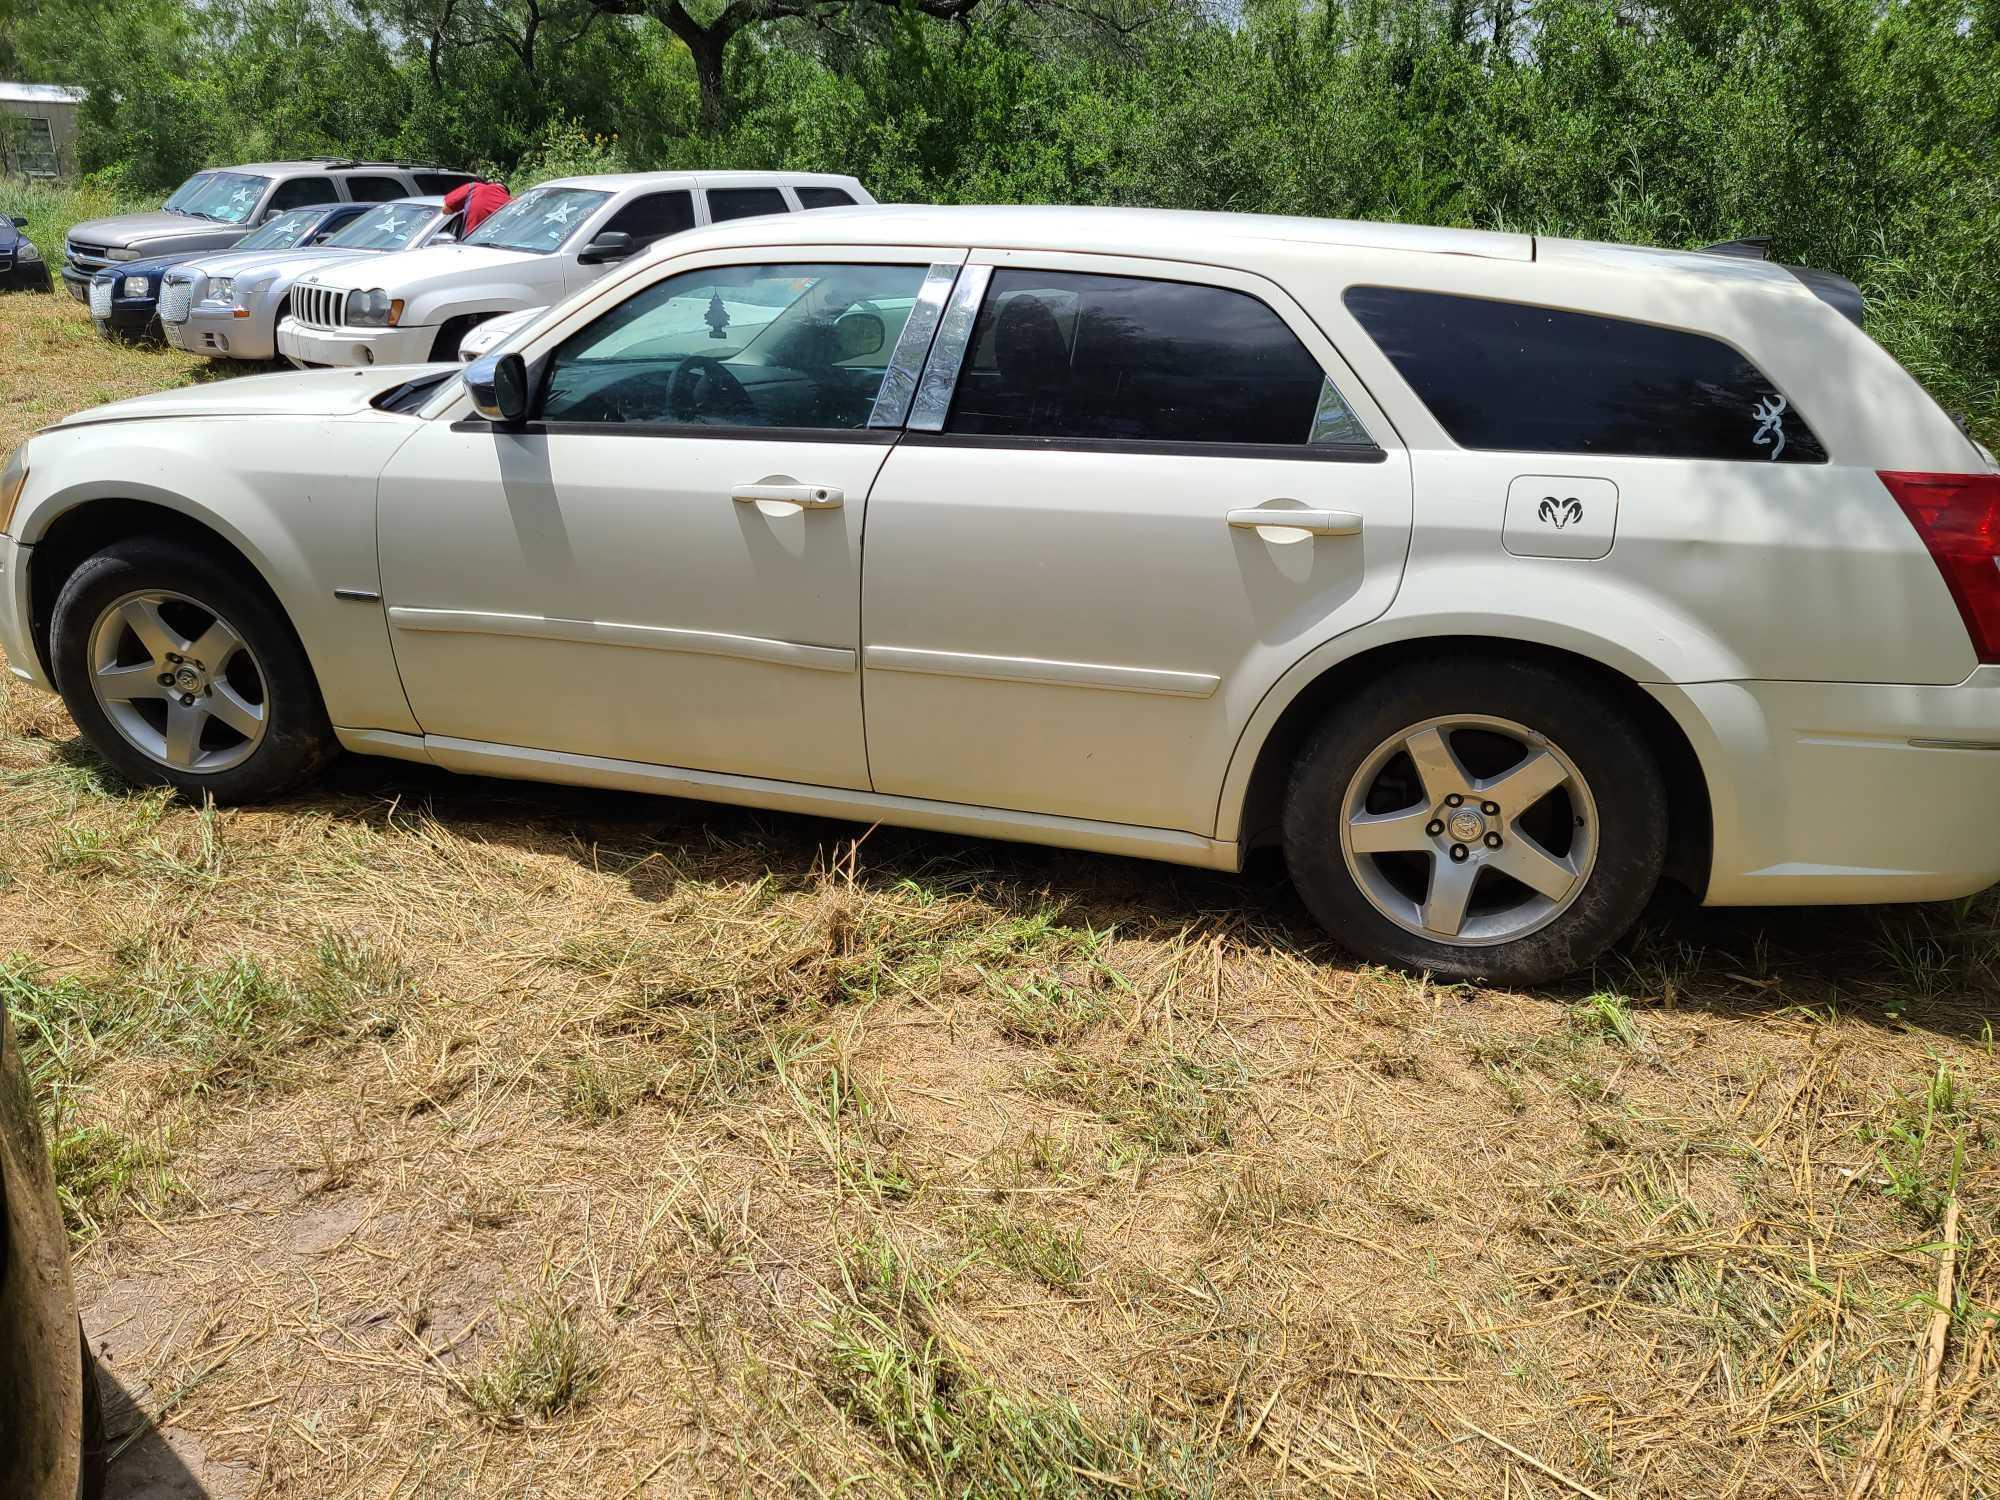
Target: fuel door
x=1560, y=515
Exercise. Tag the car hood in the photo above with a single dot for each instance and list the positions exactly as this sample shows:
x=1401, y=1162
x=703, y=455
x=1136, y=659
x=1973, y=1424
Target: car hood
x=131, y=231
x=294, y=262
x=408, y=272
x=153, y=265
x=314, y=393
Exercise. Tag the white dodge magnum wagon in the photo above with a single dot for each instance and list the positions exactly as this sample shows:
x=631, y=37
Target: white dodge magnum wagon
x=1495, y=578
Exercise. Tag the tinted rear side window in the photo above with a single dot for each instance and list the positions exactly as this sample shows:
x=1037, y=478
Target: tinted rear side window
x=1061, y=355
x=1533, y=379
x=824, y=197
x=744, y=203
x=440, y=182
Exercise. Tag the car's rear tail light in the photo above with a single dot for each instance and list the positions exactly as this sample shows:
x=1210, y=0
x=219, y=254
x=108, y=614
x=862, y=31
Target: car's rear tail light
x=1958, y=516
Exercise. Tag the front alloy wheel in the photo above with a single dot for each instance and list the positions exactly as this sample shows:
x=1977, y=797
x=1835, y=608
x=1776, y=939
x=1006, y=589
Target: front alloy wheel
x=179, y=667
x=1477, y=818
x=176, y=680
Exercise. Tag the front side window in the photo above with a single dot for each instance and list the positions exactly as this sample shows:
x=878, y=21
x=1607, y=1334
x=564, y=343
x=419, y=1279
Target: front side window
x=725, y=204
x=283, y=232
x=538, y=221
x=1507, y=375
x=366, y=189
x=226, y=197
x=1061, y=355
x=654, y=216
x=388, y=226
x=793, y=346
x=300, y=191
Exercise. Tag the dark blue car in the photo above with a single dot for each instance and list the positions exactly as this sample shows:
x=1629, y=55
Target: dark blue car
x=126, y=298
x=21, y=265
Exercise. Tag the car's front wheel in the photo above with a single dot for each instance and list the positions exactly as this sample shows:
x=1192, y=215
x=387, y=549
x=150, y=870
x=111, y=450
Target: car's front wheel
x=1490, y=819
x=181, y=670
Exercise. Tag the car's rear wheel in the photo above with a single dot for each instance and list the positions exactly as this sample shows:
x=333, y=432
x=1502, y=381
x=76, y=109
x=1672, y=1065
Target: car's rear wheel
x=1490, y=819
x=180, y=670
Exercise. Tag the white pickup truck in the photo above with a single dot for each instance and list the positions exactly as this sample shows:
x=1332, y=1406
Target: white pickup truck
x=416, y=306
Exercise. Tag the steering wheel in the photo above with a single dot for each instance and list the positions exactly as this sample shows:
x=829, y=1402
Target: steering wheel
x=705, y=387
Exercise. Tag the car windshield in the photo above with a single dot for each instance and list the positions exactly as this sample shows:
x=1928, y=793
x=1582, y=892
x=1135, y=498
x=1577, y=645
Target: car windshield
x=178, y=204
x=387, y=226
x=227, y=197
x=539, y=220
x=283, y=232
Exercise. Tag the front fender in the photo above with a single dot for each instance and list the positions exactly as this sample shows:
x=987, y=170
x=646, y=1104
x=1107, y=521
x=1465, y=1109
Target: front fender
x=295, y=496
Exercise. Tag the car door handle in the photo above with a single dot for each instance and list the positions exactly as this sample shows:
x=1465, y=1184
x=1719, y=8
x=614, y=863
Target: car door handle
x=805, y=496
x=1318, y=522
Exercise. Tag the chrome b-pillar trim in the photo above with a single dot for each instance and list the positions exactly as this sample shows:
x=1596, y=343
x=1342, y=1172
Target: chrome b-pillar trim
x=940, y=377
x=906, y=364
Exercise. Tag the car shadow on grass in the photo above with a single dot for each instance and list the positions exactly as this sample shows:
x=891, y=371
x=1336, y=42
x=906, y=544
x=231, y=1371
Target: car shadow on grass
x=1933, y=967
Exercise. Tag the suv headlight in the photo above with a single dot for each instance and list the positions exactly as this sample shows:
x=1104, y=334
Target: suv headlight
x=26, y=251
x=13, y=479
x=138, y=286
x=373, y=308
x=121, y=255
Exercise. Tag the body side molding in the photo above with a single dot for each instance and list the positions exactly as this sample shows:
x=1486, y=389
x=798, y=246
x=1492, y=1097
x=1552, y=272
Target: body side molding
x=637, y=637
x=1053, y=673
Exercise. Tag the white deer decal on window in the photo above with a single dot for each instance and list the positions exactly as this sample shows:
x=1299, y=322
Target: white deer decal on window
x=1770, y=413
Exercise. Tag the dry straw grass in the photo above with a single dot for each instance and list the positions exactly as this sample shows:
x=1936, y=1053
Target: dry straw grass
x=435, y=1137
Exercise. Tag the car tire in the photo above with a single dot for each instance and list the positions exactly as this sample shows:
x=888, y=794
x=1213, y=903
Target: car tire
x=222, y=700
x=1518, y=882
x=444, y=348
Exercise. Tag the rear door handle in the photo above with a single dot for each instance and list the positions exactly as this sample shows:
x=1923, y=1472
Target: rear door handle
x=1318, y=522
x=805, y=496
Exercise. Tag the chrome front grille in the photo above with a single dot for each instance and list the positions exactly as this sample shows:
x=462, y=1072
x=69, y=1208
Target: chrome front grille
x=318, y=306
x=100, y=299
x=88, y=257
x=176, y=298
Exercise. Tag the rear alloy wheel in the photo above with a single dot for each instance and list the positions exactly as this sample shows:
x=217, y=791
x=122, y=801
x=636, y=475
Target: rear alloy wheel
x=179, y=669
x=1494, y=823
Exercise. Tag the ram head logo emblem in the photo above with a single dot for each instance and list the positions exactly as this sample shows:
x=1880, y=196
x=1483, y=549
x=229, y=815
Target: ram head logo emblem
x=1559, y=513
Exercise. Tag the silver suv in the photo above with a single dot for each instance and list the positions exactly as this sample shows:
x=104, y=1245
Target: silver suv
x=212, y=209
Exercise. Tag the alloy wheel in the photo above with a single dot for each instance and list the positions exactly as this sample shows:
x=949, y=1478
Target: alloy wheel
x=178, y=682
x=1469, y=830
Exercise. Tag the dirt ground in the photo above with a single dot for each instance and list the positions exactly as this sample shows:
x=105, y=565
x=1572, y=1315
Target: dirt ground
x=435, y=1137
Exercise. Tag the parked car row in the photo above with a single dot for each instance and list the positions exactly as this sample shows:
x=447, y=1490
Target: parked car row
x=288, y=258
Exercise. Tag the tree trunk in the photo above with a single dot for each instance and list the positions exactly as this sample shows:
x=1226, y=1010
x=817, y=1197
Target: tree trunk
x=707, y=48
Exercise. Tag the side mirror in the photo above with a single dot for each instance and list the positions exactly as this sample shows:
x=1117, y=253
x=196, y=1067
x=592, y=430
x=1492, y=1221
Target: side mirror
x=498, y=385
x=19, y=222
x=857, y=334
x=444, y=237
x=612, y=244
